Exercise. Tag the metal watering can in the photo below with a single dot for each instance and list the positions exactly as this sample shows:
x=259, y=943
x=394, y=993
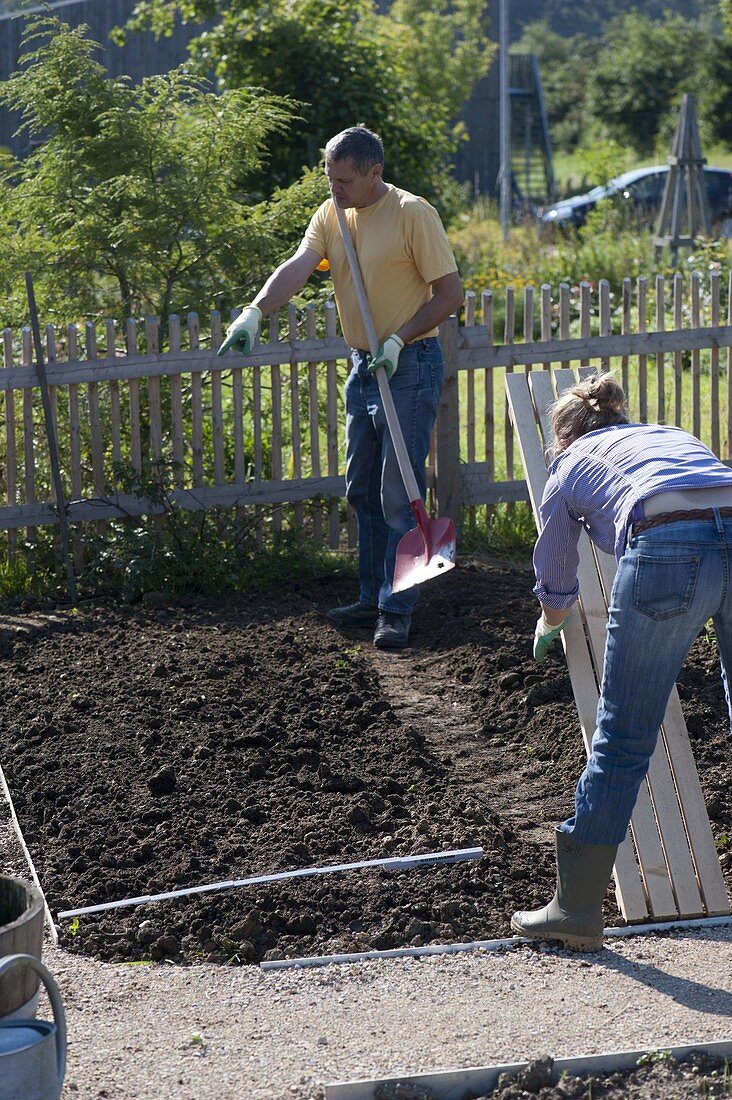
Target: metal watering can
x=33, y=1052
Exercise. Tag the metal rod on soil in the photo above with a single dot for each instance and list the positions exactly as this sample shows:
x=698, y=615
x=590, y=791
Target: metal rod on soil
x=487, y=945
x=52, y=440
x=391, y=863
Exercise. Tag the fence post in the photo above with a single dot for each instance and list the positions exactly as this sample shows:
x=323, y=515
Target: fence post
x=448, y=488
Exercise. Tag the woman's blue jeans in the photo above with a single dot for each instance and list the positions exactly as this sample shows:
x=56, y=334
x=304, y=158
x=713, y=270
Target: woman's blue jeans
x=374, y=485
x=671, y=580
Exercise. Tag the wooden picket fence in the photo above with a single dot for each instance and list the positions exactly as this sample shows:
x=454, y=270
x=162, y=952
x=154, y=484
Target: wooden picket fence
x=263, y=433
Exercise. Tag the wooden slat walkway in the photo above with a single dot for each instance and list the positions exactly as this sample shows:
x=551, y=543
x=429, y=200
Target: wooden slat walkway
x=668, y=867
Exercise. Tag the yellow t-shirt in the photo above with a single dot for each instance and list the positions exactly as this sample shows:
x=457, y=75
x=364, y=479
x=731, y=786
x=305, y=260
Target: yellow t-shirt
x=402, y=248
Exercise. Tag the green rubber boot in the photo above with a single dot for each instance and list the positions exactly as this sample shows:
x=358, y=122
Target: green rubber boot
x=574, y=915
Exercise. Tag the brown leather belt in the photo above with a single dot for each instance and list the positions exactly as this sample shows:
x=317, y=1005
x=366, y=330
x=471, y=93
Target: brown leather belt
x=674, y=517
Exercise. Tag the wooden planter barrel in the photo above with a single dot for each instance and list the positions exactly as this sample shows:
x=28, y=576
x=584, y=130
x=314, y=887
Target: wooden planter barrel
x=21, y=933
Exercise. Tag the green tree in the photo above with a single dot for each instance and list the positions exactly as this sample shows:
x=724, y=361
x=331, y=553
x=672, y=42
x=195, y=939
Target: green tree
x=716, y=97
x=405, y=74
x=642, y=69
x=145, y=198
x=592, y=17
x=725, y=14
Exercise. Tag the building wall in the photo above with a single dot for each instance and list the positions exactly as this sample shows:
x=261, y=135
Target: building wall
x=141, y=56
x=477, y=161
x=478, y=157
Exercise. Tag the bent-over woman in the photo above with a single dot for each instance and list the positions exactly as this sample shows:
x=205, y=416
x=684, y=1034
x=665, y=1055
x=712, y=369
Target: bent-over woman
x=659, y=500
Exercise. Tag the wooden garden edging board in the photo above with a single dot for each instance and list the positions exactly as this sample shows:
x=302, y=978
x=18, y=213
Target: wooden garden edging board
x=668, y=865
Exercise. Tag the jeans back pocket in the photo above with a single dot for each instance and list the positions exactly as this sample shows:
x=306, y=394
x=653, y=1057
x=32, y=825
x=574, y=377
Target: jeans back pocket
x=664, y=586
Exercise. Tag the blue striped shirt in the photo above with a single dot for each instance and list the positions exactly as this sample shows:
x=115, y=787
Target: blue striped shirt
x=598, y=482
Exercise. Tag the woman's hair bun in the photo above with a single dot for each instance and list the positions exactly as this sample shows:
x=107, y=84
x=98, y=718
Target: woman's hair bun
x=595, y=402
x=604, y=392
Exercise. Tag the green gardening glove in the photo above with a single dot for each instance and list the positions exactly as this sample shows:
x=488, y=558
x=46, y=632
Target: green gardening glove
x=387, y=356
x=242, y=332
x=544, y=636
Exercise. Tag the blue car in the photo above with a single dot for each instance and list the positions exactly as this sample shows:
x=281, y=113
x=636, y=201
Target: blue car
x=642, y=190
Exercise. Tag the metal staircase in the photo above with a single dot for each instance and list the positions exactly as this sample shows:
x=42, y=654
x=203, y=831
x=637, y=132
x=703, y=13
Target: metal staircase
x=478, y=158
x=531, y=151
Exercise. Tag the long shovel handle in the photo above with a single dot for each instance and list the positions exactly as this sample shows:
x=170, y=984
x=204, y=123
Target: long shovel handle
x=392, y=420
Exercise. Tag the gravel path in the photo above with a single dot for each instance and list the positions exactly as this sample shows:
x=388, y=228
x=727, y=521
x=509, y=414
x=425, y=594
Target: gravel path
x=207, y=1031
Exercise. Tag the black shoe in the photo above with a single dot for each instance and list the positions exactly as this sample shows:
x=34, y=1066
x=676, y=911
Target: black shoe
x=355, y=614
x=392, y=630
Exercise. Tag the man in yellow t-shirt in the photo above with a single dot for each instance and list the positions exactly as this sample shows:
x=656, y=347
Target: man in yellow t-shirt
x=412, y=285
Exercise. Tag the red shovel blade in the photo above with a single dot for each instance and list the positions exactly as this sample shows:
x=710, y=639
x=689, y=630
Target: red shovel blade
x=424, y=552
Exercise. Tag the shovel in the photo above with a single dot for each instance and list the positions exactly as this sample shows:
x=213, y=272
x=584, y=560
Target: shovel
x=429, y=548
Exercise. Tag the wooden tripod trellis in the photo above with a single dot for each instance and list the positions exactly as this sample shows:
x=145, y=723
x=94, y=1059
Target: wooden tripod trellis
x=684, y=214
x=668, y=867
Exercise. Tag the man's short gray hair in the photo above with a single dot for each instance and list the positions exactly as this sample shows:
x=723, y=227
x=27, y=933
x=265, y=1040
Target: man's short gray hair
x=359, y=145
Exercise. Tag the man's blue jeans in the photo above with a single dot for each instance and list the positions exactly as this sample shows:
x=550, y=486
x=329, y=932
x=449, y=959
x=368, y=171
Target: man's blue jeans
x=671, y=580
x=374, y=485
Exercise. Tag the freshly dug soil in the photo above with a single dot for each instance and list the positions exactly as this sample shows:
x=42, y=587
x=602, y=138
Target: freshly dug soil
x=163, y=746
